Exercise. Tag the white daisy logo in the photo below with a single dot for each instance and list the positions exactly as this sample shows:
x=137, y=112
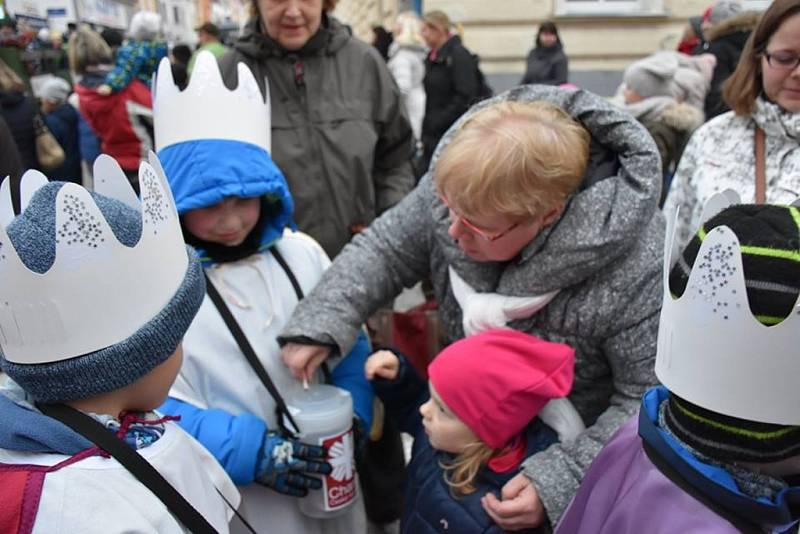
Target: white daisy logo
x=341, y=458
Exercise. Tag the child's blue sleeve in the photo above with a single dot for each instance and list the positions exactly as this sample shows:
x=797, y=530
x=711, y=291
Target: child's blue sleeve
x=129, y=61
x=234, y=440
x=349, y=375
x=403, y=396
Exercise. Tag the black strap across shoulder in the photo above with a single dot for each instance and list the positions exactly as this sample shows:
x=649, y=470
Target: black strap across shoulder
x=133, y=462
x=289, y=274
x=249, y=353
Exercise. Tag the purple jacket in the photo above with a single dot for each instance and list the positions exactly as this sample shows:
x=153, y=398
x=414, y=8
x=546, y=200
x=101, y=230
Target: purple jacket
x=624, y=492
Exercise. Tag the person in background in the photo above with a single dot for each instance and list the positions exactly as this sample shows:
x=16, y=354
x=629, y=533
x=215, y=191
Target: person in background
x=666, y=92
x=547, y=63
x=10, y=161
x=180, y=55
x=113, y=38
x=692, y=37
x=20, y=113
x=726, y=32
x=339, y=132
x=764, y=94
x=138, y=58
x=382, y=41
x=122, y=120
x=62, y=119
x=407, y=65
x=451, y=81
x=208, y=39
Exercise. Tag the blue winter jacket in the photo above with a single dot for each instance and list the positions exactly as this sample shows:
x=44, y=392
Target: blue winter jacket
x=63, y=124
x=203, y=173
x=429, y=506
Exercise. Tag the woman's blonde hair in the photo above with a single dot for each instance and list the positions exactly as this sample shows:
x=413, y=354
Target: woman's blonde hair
x=519, y=159
x=87, y=49
x=407, y=29
x=460, y=473
x=745, y=84
x=438, y=19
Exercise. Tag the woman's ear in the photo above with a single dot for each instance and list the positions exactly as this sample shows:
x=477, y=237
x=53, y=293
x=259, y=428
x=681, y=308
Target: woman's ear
x=552, y=216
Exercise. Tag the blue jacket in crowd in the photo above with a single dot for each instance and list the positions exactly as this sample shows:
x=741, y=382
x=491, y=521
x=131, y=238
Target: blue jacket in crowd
x=63, y=124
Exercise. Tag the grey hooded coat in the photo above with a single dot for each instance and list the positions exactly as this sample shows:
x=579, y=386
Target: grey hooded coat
x=339, y=131
x=603, y=254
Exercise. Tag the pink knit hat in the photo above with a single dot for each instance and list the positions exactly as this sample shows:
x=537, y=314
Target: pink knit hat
x=496, y=382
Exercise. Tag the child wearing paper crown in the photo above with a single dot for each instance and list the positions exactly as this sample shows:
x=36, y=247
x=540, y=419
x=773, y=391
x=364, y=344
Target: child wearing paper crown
x=473, y=424
x=236, y=210
x=716, y=448
x=79, y=331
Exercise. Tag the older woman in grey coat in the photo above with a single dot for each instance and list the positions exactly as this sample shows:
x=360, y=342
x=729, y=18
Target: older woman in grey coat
x=597, y=259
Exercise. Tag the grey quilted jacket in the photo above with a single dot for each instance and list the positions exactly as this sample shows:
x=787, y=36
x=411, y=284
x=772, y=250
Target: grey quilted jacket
x=603, y=254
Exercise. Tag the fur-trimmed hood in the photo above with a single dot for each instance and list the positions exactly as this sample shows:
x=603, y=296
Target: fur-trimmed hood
x=745, y=22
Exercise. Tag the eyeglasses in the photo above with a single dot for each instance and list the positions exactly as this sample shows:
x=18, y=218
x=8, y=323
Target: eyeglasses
x=483, y=234
x=783, y=60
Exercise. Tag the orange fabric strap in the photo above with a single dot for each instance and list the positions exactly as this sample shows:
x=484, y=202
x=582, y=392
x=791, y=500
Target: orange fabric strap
x=761, y=179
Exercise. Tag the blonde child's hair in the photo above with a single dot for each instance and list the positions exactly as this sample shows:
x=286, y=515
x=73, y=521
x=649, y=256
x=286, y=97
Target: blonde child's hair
x=519, y=159
x=460, y=473
x=408, y=29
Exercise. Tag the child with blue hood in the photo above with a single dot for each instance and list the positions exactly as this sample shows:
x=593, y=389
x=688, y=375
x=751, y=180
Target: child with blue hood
x=236, y=211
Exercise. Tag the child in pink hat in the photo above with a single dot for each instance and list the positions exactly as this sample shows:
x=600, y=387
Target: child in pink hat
x=474, y=423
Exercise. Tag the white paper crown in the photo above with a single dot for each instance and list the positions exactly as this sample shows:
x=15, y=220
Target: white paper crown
x=207, y=109
x=98, y=291
x=712, y=351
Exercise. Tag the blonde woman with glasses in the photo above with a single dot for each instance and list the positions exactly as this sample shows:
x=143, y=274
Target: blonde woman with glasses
x=539, y=214
x=764, y=95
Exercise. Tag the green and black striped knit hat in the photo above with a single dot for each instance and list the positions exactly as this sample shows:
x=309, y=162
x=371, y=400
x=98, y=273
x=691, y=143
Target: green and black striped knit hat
x=770, y=246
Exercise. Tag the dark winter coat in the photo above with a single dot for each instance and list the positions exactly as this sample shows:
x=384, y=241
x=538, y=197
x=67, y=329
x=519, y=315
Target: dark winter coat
x=339, y=131
x=451, y=87
x=429, y=506
x=604, y=254
x=725, y=41
x=10, y=162
x=63, y=124
x=547, y=65
x=19, y=112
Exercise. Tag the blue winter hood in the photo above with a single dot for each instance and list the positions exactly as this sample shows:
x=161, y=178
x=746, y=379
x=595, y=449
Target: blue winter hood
x=203, y=173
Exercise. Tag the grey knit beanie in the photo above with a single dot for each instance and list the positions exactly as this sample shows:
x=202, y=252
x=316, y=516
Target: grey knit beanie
x=653, y=75
x=33, y=235
x=723, y=10
x=55, y=90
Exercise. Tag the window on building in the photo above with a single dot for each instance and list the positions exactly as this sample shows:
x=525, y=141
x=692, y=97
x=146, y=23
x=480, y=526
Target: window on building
x=176, y=12
x=609, y=7
x=756, y=5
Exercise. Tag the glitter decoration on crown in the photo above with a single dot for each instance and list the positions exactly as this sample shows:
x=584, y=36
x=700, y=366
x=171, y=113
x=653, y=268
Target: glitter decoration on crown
x=712, y=351
x=207, y=109
x=98, y=291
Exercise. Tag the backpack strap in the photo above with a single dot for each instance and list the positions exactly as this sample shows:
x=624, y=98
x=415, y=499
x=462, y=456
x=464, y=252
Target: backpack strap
x=761, y=171
x=250, y=354
x=140, y=468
